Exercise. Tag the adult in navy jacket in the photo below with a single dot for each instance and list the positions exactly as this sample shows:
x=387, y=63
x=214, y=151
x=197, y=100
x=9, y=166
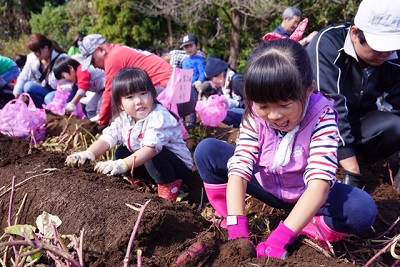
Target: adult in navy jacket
x=355, y=64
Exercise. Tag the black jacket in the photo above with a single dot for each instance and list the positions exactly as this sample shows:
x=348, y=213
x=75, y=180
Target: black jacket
x=355, y=90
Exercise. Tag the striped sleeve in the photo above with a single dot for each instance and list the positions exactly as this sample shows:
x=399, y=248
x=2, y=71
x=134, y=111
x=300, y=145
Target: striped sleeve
x=322, y=163
x=246, y=152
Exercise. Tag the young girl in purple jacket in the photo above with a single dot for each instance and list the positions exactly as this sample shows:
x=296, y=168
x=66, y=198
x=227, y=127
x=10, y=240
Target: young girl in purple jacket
x=285, y=157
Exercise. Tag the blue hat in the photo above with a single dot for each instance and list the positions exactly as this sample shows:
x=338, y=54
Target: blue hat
x=215, y=66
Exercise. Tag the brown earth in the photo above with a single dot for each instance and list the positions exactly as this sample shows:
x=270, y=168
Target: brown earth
x=96, y=203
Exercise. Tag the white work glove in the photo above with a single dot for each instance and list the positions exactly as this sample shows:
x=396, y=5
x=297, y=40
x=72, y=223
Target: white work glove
x=113, y=167
x=66, y=87
x=71, y=107
x=79, y=158
x=95, y=118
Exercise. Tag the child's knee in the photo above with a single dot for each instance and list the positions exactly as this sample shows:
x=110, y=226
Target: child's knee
x=363, y=214
x=202, y=149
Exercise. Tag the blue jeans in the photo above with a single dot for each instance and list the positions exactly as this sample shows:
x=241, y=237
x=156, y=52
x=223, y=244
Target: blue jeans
x=347, y=209
x=192, y=118
x=37, y=92
x=234, y=117
x=164, y=168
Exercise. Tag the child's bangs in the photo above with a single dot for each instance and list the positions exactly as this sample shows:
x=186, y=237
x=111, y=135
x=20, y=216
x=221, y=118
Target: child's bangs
x=130, y=90
x=271, y=83
x=134, y=85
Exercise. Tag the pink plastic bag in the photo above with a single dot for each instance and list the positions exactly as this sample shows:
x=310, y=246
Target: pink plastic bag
x=57, y=106
x=59, y=103
x=177, y=91
x=18, y=119
x=213, y=110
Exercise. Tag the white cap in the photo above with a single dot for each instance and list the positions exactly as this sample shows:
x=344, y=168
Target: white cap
x=88, y=46
x=380, y=22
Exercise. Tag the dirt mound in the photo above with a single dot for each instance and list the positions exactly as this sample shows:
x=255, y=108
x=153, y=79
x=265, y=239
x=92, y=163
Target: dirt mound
x=97, y=204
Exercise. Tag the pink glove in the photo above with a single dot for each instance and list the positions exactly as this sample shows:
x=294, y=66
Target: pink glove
x=276, y=244
x=238, y=226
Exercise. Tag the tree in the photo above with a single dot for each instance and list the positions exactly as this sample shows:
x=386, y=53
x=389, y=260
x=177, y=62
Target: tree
x=53, y=22
x=236, y=12
x=335, y=12
x=83, y=16
x=63, y=23
x=15, y=16
x=171, y=10
x=193, y=13
x=228, y=29
x=120, y=22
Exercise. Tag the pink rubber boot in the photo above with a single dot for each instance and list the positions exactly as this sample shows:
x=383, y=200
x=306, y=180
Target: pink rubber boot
x=170, y=191
x=318, y=230
x=216, y=194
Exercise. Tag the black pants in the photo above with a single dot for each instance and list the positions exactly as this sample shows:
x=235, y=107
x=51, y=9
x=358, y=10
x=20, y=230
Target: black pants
x=377, y=135
x=164, y=168
x=6, y=95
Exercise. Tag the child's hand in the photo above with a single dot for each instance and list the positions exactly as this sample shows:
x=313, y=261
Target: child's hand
x=79, y=158
x=71, y=107
x=197, y=85
x=238, y=227
x=276, y=244
x=113, y=167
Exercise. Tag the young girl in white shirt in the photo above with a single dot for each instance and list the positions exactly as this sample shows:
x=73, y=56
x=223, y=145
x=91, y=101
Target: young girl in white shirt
x=151, y=133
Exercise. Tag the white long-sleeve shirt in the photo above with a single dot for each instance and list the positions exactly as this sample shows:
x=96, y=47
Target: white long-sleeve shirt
x=31, y=72
x=159, y=129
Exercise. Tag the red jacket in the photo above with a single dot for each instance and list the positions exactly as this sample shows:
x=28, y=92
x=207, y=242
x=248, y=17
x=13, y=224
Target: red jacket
x=119, y=57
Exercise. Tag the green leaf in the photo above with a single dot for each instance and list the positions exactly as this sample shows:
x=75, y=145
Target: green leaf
x=18, y=228
x=182, y=195
x=33, y=258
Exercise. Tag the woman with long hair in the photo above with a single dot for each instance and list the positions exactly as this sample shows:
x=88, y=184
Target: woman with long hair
x=37, y=78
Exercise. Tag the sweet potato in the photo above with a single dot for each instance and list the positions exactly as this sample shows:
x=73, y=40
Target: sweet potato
x=195, y=250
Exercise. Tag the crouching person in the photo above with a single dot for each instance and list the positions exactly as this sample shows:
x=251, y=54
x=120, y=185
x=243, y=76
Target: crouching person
x=92, y=80
x=148, y=133
x=285, y=157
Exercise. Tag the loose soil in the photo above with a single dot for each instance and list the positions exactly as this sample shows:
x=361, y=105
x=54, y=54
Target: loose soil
x=96, y=203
